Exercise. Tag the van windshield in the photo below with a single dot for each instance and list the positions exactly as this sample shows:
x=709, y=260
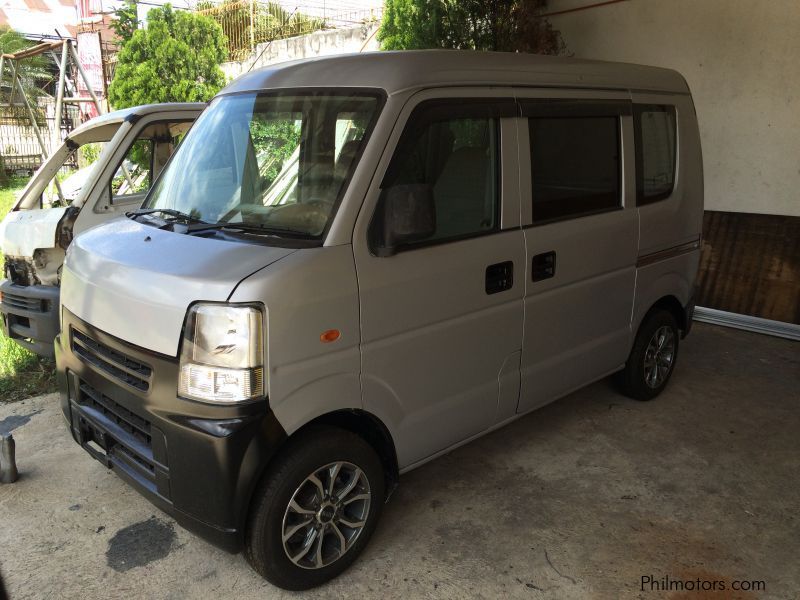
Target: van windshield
x=273, y=161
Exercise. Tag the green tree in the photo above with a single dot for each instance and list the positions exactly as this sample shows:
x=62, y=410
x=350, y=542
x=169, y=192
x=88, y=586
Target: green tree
x=277, y=140
x=503, y=25
x=175, y=59
x=126, y=21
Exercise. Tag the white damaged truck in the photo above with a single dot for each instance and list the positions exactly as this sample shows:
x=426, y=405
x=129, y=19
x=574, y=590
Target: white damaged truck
x=119, y=155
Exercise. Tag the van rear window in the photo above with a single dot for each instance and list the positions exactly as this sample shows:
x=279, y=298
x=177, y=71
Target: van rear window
x=575, y=166
x=655, y=151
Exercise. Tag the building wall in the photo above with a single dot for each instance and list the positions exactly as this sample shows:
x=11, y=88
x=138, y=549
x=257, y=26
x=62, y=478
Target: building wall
x=740, y=58
x=320, y=43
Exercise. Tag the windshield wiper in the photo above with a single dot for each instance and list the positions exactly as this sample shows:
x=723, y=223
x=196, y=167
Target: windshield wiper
x=193, y=224
x=250, y=228
x=176, y=214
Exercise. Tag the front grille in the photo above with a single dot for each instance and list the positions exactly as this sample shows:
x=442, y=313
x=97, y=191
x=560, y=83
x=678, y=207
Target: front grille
x=23, y=303
x=134, y=425
x=115, y=363
x=123, y=437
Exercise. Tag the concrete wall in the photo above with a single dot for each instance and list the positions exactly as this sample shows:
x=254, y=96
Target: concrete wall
x=740, y=58
x=320, y=43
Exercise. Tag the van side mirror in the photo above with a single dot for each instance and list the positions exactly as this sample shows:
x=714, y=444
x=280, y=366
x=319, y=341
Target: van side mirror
x=407, y=214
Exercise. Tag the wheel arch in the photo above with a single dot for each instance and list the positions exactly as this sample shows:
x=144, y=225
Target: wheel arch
x=671, y=304
x=668, y=289
x=369, y=428
x=360, y=422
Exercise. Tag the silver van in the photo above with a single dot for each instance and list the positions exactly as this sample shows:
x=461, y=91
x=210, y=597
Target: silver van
x=354, y=264
x=118, y=155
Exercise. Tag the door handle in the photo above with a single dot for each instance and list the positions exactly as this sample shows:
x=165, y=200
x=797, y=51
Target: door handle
x=499, y=277
x=543, y=266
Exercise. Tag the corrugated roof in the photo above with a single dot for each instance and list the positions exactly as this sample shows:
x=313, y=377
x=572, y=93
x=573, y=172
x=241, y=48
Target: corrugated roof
x=40, y=17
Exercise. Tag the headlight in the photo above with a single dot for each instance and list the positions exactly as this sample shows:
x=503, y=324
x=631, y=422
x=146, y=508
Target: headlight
x=222, y=357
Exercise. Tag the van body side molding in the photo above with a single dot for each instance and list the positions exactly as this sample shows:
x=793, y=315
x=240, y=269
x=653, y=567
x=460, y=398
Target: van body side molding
x=654, y=257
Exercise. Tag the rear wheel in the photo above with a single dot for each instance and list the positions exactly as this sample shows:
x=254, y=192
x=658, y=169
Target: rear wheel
x=316, y=509
x=652, y=358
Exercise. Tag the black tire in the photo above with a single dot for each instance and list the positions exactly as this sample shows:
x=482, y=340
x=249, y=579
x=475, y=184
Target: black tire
x=633, y=380
x=304, y=456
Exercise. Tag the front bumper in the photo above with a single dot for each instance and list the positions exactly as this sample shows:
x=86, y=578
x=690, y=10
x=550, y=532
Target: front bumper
x=197, y=462
x=30, y=315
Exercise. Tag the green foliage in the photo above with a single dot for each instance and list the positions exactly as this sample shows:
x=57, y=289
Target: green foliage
x=141, y=154
x=13, y=358
x=275, y=140
x=8, y=195
x=32, y=71
x=88, y=154
x=22, y=373
x=272, y=15
x=175, y=59
x=510, y=26
x=126, y=21
x=414, y=25
x=137, y=164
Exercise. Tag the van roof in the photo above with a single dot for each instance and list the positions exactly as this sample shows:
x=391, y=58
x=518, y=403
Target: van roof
x=398, y=71
x=118, y=116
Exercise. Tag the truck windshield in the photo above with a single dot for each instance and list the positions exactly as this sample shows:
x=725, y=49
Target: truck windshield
x=273, y=161
x=74, y=171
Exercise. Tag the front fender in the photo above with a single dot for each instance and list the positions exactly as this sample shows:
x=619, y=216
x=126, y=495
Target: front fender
x=332, y=392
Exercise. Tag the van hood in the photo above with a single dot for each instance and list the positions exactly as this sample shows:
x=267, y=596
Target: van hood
x=135, y=281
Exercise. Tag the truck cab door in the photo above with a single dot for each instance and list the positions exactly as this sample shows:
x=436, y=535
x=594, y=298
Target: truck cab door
x=132, y=168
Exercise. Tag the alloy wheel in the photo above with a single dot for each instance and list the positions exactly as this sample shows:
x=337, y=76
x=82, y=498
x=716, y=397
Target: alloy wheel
x=659, y=356
x=326, y=514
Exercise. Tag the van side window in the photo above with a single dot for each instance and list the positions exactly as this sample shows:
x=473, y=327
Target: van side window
x=132, y=176
x=575, y=166
x=454, y=149
x=145, y=158
x=655, y=152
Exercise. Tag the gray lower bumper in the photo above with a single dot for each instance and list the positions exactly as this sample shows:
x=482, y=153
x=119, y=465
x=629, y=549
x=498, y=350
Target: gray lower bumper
x=30, y=315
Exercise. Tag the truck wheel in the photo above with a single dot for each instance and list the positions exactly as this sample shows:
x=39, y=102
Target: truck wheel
x=315, y=510
x=652, y=358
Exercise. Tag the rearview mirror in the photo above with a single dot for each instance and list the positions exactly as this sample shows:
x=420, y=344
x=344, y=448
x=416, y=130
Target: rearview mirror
x=408, y=214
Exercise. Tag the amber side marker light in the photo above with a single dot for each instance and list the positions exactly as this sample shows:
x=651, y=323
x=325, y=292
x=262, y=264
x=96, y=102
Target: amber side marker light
x=326, y=337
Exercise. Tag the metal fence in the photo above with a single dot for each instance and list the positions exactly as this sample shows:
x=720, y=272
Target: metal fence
x=20, y=152
x=20, y=146
x=247, y=23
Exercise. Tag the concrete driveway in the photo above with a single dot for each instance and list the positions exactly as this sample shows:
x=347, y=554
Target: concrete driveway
x=581, y=499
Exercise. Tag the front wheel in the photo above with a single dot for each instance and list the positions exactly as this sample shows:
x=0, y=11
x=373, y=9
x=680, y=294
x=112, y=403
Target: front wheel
x=652, y=358
x=315, y=510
